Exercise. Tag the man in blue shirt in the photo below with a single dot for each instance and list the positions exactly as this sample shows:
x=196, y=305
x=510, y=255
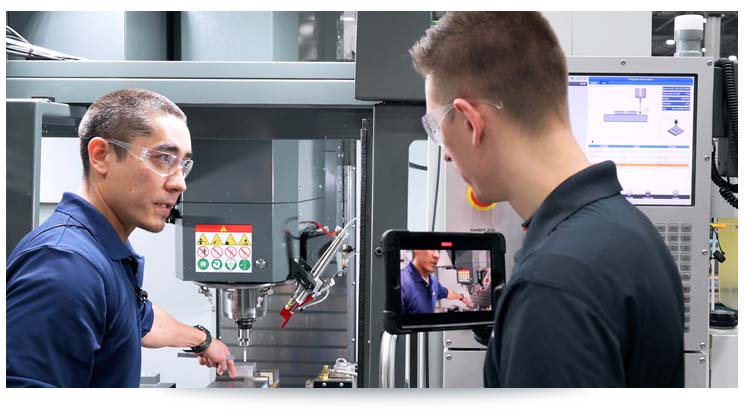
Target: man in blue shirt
x=420, y=289
x=595, y=298
x=76, y=315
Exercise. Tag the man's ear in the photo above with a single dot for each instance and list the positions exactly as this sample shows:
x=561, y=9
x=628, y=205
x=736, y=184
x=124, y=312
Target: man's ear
x=99, y=155
x=474, y=120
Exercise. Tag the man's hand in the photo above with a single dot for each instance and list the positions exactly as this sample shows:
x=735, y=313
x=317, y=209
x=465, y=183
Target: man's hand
x=467, y=301
x=217, y=356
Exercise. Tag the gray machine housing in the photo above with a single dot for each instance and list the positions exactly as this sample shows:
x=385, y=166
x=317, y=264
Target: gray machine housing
x=692, y=221
x=254, y=182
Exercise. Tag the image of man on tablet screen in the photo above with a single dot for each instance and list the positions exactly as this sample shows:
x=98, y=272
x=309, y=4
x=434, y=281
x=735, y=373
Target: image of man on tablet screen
x=420, y=288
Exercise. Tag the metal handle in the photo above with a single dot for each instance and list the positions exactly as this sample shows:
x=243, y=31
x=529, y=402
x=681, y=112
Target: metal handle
x=388, y=360
x=422, y=365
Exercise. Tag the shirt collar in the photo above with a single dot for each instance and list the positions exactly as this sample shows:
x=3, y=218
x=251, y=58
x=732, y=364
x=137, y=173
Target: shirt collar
x=593, y=183
x=93, y=220
x=419, y=279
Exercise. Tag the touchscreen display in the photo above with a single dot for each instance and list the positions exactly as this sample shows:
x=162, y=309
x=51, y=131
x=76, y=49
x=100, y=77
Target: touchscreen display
x=441, y=280
x=646, y=125
x=445, y=281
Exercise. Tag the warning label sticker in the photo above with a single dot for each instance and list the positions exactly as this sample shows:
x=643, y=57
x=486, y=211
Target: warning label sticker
x=216, y=249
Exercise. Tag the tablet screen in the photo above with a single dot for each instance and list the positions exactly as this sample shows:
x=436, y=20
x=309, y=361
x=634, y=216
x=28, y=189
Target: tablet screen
x=441, y=280
x=445, y=281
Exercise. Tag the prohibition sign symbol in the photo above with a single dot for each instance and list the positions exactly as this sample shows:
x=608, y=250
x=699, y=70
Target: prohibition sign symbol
x=216, y=251
x=244, y=252
x=203, y=251
x=230, y=252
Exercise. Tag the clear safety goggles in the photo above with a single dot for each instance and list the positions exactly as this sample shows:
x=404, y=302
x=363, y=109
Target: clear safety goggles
x=162, y=163
x=432, y=120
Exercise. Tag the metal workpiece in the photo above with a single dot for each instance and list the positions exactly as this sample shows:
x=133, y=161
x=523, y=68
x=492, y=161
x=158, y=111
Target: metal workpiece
x=342, y=375
x=247, y=377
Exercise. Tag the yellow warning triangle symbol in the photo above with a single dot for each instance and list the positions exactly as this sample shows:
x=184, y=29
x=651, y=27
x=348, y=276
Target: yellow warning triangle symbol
x=223, y=229
x=216, y=240
x=244, y=240
x=203, y=240
x=230, y=240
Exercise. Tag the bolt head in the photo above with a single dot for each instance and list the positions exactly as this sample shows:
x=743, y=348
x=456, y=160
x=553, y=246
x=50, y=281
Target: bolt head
x=623, y=62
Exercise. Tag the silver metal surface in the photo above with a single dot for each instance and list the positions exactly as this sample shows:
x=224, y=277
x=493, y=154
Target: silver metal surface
x=181, y=70
x=387, y=374
x=713, y=36
x=260, y=263
x=244, y=303
x=346, y=188
x=422, y=374
x=463, y=369
x=244, y=306
x=236, y=83
x=696, y=370
x=259, y=382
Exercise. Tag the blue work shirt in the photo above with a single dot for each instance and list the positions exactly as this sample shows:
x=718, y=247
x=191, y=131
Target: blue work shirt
x=416, y=295
x=73, y=317
x=595, y=298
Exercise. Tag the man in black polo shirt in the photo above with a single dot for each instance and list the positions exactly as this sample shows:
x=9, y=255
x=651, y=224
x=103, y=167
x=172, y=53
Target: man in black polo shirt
x=595, y=298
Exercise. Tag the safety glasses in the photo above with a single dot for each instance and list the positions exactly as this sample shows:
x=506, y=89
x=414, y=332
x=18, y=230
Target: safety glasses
x=162, y=163
x=432, y=120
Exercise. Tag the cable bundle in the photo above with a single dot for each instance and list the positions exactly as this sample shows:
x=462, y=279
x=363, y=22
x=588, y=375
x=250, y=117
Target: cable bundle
x=727, y=189
x=17, y=45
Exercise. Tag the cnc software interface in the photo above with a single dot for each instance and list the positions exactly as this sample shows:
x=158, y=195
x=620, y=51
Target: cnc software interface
x=645, y=125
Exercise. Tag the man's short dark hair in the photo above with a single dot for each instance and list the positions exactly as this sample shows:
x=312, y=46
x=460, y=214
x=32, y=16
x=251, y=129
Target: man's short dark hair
x=511, y=56
x=123, y=115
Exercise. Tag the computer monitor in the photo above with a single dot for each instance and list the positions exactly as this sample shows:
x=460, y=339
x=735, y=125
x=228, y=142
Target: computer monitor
x=645, y=124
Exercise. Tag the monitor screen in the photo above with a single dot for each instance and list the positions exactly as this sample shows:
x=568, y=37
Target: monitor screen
x=645, y=124
x=445, y=281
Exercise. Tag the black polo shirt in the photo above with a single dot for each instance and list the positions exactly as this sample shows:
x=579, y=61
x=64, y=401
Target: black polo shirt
x=595, y=298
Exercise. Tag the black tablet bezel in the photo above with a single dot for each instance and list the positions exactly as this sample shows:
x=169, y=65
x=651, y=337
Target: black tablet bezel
x=394, y=241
